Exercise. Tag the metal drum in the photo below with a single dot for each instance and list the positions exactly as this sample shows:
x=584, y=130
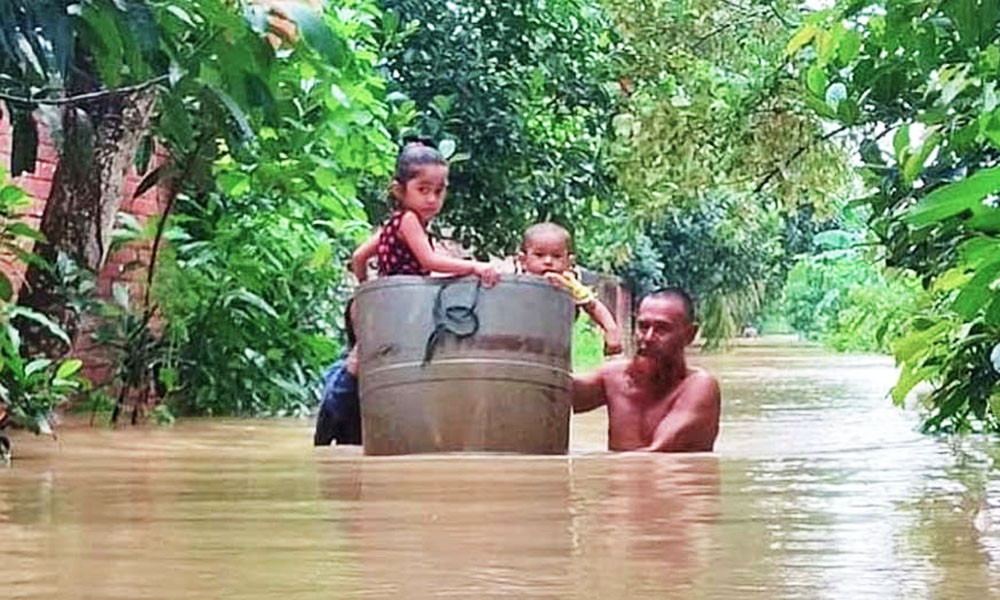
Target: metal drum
x=504, y=388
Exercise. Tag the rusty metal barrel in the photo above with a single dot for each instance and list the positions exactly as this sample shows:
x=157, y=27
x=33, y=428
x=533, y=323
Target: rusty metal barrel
x=504, y=388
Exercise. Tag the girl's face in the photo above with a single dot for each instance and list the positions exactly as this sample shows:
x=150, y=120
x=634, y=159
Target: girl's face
x=424, y=193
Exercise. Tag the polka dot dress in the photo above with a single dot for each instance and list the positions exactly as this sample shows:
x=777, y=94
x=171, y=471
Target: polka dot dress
x=394, y=256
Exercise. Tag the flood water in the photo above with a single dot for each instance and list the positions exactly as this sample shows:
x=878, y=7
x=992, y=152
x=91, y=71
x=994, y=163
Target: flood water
x=818, y=488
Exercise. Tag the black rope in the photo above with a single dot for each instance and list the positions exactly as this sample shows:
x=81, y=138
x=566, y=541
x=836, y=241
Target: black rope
x=458, y=319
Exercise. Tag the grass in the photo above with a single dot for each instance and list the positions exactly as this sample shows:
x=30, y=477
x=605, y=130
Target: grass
x=588, y=345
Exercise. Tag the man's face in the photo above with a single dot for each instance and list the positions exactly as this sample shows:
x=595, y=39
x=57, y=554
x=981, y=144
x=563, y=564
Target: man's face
x=546, y=252
x=662, y=329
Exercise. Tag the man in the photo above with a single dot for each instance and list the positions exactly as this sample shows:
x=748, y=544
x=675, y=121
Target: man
x=656, y=403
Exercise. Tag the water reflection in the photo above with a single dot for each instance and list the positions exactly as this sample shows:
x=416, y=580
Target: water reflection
x=642, y=522
x=819, y=489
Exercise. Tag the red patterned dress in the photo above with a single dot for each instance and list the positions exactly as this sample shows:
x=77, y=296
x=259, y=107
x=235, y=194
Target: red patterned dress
x=394, y=256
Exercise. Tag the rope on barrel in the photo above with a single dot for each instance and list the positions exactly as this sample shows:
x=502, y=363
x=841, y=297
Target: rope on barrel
x=460, y=320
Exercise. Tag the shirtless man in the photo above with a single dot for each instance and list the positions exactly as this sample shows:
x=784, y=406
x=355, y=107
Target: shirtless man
x=656, y=403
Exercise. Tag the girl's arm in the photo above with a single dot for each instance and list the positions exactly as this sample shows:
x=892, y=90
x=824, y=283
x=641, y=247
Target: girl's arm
x=603, y=317
x=414, y=236
x=359, y=260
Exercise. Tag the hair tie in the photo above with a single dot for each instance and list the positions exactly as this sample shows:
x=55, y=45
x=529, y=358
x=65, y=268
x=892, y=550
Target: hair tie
x=419, y=140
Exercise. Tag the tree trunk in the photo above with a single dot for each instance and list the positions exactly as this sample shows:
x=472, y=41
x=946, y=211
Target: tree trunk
x=100, y=141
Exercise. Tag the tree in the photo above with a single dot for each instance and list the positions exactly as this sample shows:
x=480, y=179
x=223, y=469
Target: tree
x=105, y=75
x=525, y=92
x=916, y=82
x=716, y=152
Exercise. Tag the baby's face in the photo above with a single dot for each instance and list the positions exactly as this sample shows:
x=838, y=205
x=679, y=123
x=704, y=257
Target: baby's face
x=546, y=252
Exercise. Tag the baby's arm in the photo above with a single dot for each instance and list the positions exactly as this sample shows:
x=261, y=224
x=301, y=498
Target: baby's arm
x=359, y=260
x=603, y=317
x=414, y=236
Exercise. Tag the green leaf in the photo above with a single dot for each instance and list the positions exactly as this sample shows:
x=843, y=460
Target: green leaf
x=901, y=143
x=976, y=293
x=253, y=300
x=955, y=198
x=103, y=34
x=6, y=288
x=906, y=348
x=25, y=230
x=908, y=378
x=826, y=46
x=315, y=32
x=447, y=148
x=39, y=364
x=234, y=183
x=68, y=368
x=849, y=46
x=914, y=164
x=37, y=317
x=816, y=81
x=802, y=37
x=143, y=155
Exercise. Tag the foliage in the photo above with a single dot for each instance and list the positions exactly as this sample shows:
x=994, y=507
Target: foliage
x=30, y=386
x=525, y=93
x=717, y=154
x=839, y=296
x=722, y=251
x=249, y=297
x=710, y=106
x=248, y=288
x=917, y=82
x=139, y=356
x=588, y=345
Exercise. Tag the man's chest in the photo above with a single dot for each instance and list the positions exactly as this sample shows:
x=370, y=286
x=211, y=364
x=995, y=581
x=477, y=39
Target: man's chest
x=634, y=414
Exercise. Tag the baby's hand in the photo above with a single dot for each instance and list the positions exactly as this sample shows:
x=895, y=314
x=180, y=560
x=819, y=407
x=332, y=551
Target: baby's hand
x=487, y=273
x=558, y=280
x=613, y=341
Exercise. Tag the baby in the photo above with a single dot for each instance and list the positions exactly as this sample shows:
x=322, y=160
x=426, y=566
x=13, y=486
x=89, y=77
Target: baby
x=546, y=251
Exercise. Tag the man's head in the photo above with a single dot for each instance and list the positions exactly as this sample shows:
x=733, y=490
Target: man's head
x=665, y=324
x=546, y=248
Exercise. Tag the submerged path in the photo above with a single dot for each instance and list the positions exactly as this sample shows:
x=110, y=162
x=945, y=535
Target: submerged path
x=819, y=489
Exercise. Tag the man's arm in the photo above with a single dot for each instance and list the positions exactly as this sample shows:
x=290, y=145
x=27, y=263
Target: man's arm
x=693, y=422
x=588, y=391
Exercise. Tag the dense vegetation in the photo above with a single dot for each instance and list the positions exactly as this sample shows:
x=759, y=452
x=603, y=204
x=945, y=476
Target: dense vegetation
x=916, y=84
x=705, y=143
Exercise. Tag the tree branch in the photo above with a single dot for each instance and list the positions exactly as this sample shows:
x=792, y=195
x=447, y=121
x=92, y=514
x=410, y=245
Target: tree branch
x=81, y=98
x=776, y=170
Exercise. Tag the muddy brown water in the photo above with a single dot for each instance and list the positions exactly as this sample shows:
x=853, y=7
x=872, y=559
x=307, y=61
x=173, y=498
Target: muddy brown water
x=819, y=488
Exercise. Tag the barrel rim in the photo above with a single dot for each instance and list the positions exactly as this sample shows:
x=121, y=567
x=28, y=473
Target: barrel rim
x=419, y=280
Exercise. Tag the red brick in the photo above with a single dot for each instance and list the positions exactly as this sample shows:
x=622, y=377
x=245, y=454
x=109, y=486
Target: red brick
x=145, y=205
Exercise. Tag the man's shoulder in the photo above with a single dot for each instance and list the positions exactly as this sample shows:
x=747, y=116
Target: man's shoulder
x=615, y=367
x=700, y=385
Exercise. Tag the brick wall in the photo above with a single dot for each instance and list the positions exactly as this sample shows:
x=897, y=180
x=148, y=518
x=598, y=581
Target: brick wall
x=116, y=268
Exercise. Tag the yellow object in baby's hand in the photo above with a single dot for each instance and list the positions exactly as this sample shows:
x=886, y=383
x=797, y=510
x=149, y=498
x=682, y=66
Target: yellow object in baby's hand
x=568, y=280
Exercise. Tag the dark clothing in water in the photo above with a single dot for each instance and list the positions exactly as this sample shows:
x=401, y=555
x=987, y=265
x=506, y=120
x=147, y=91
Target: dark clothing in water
x=394, y=256
x=339, y=415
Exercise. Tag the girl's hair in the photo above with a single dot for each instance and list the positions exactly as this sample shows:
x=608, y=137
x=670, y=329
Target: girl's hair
x=417, y=152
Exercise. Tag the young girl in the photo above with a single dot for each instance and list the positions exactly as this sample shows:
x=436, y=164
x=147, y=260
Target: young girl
x=402, y=244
